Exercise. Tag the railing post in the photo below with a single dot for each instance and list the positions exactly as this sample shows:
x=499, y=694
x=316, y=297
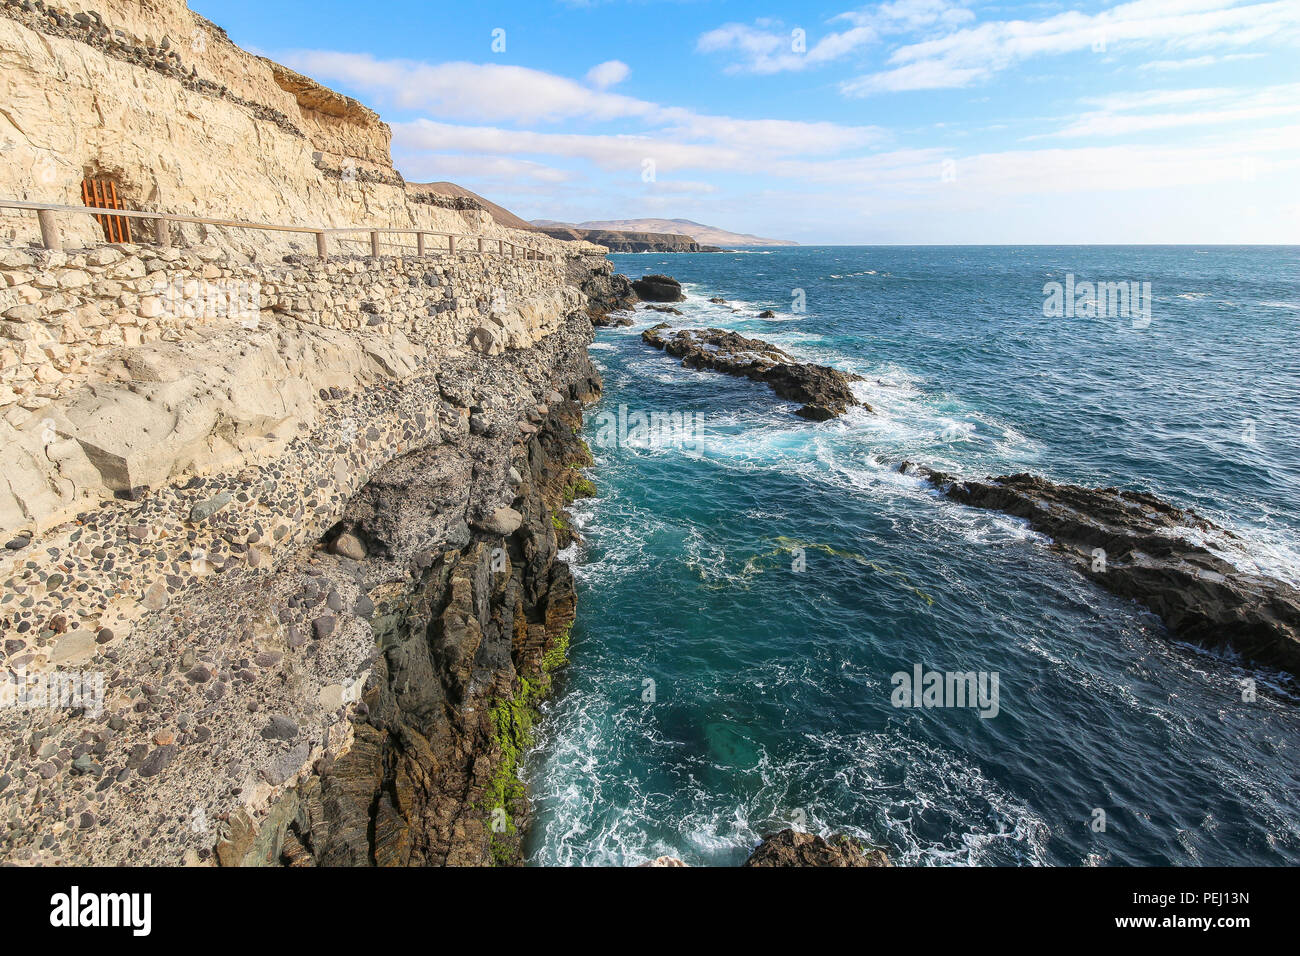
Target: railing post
x=480, y=243
x=49, y=230
x=451, y=245
x=419, y=244
x=374, y=245
x=162, y=235
x=322, y=246
x=501, y=247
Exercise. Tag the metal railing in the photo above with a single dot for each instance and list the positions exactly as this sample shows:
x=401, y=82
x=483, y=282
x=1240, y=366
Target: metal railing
x=47, y=214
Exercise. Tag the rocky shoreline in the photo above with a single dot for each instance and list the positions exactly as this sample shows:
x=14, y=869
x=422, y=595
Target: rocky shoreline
x=822, y=392
x=472, y=614
x=1131, y=543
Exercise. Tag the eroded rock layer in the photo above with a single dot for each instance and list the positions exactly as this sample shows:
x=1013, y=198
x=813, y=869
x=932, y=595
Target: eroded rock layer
x=158, y=102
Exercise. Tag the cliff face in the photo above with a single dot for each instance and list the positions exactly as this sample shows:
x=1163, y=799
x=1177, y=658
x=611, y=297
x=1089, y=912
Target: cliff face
x=318, y=553
x=159, y=101
x=280, y=534
x=471, y=624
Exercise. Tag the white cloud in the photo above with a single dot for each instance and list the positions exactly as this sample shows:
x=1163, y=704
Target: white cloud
x=1129, y=113
x=1196, y=62
x=768, y=46
x=491, y=91
x=925, y=75
x=974, y=53
x=612, y=152
x=610, y=73
x=772, y=49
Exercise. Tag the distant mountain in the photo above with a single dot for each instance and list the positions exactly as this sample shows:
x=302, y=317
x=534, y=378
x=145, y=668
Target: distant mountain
x=503, y=216
x=704, y=235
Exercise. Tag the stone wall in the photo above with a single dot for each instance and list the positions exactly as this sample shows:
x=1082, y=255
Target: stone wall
x=117, y=362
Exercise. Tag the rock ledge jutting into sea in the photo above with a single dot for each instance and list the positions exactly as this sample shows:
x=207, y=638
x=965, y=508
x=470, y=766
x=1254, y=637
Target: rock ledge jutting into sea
x=823, y=391
x=1143, y=548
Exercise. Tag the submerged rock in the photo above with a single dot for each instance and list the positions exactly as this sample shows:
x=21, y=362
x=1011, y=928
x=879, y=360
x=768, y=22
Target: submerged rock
x=792, y=848
x=823, y=391
x=1143, y=548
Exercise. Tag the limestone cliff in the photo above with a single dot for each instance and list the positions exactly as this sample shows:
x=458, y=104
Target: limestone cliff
x=158, y=100
x=280, y=577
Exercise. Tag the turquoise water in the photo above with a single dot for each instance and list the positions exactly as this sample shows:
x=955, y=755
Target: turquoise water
x=772, y=676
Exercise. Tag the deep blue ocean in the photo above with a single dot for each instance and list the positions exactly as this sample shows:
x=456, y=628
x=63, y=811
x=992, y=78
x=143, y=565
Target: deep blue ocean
x=771, y=697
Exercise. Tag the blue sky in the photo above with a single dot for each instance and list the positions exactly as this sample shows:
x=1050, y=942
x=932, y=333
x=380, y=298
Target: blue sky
x=912, y=121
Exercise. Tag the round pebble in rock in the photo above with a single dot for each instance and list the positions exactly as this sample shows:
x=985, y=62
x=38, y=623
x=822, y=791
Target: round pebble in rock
x=84, y=764
x=157, y=761
x=199, y=673
x=103, y=636
x=280, y=728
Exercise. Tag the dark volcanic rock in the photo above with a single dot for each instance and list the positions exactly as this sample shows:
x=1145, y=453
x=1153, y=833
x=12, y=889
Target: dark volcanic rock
x=606, y=290
x=824, y=391
x=466, y=645
x=792, y=848
x=658, y=288
x=1143, y=548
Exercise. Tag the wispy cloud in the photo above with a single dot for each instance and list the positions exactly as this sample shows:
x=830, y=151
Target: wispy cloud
x=772, y=46
x=975, y=53
x=1130, y=113
x=1196, y=62
x=498, y=96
